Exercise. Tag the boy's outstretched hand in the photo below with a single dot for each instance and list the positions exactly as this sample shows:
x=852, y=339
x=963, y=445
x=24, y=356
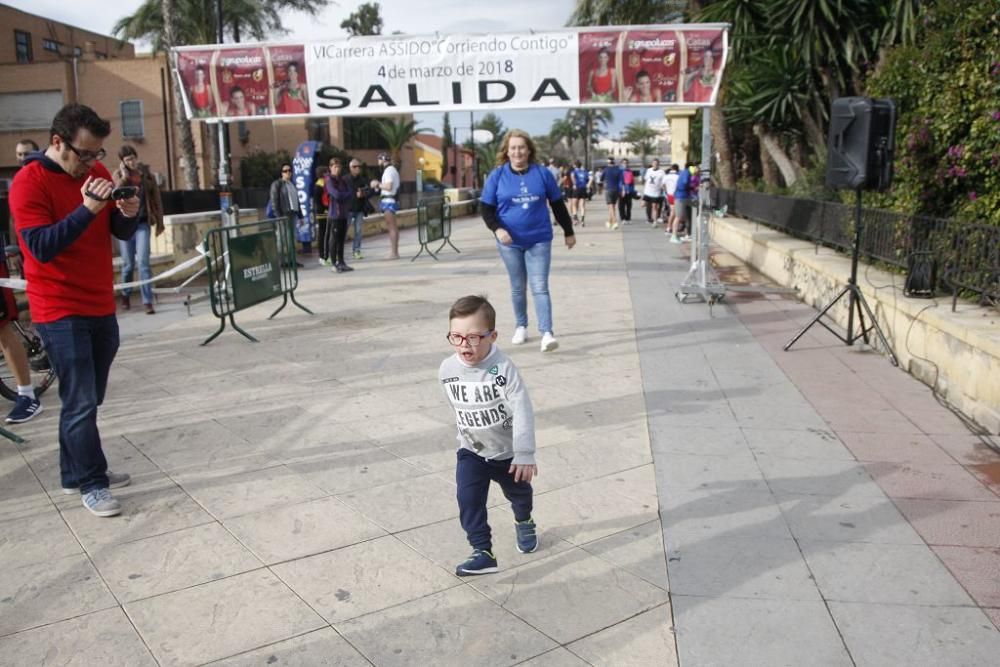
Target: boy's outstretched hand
x=523, y=473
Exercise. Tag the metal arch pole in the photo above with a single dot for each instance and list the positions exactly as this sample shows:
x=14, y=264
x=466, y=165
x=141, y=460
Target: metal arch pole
x=701, y=279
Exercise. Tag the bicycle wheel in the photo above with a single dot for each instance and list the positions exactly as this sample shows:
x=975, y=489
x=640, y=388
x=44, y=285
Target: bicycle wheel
x=42, y=374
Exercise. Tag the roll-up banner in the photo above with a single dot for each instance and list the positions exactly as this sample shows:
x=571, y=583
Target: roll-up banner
x=303, y=176
x=658, y=65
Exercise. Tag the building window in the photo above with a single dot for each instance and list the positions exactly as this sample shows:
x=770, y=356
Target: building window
x=101, y=56
x=360, y=134
x=132, y=126
x=77, y=51
x=51, y=45
x=318, y=129
x=22, y=44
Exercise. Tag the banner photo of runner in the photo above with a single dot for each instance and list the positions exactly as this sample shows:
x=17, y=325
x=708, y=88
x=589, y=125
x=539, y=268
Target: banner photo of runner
x=656, y=65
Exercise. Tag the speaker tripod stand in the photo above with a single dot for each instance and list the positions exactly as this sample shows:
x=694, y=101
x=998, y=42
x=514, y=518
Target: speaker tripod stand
x=856, y=301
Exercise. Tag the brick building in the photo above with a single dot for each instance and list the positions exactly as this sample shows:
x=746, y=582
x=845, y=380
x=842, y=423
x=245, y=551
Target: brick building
x=45, y=64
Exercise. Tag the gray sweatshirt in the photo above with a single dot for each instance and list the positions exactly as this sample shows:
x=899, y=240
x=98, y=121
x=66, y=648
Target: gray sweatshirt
x=492, y=409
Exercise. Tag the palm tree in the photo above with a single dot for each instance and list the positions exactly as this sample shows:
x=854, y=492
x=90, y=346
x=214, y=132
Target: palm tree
x=169, y=23
x=563, y=131
x=196, y=21
x=642, y=137
x=190, y=165
x=397, y=133
x=590, y=125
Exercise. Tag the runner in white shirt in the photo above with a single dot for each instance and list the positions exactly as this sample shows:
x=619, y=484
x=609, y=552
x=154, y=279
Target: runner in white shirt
x=388, y=204
x=652, y=192
x=670, y=187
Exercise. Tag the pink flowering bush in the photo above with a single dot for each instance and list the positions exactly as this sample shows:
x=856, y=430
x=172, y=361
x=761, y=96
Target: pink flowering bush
x=947, y=89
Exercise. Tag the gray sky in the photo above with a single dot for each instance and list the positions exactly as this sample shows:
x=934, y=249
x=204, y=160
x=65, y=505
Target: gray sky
x=410, y=16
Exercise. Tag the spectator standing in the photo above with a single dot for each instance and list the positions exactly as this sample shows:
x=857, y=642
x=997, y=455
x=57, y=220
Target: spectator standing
x=321, y=207
x=612, y=177
x=27, y=406
x=340, y=193
x=23, y=148
x=515, y=203
x=132, y=172
x=627, y=193
x=64, y=222
x=360, y=206
x=388, y=204
x=284, y=199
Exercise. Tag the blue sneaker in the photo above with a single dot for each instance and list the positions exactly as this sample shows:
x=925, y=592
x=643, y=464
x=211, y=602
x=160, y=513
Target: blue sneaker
x=480, y=562
x=527, y=539
x=25, y=409
x=100, y=502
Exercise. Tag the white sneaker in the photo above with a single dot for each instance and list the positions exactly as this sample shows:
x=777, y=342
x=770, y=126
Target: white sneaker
x=549, y=342
x=614, y=226
x=520, y=336
x=608, y=224
x=674, y=239
x=659, y=221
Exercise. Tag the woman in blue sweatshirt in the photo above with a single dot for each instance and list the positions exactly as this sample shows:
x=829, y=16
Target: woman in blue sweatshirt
x=515, y=205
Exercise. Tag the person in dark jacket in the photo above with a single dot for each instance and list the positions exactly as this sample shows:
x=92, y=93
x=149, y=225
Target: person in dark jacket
x=360, y=206
x=321, y=206
x=132, y=172
x=284, y=202
x=340, y=193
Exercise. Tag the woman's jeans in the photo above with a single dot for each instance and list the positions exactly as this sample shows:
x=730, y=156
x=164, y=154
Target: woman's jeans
x=529, y=267
x=137, y=245
x=357, y=221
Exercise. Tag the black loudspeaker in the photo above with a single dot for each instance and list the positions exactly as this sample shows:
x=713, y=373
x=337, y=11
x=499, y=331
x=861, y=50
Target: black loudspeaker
x=861, y=144
x=921, y=275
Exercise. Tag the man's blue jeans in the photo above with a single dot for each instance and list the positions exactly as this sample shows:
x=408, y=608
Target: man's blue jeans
x=81, y=350
x=137, y=245
x=529, y=267
x=357, y=221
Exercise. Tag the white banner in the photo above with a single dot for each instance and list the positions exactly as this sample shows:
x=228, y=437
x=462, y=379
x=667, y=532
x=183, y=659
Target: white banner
x=676, y=65
x=376, y=75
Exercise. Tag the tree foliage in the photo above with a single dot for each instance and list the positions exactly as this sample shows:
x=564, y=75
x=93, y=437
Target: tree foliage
x=366, y=20
x=627, y=12
x=642, y=137
x=196, y=21
x=948, y=134
x=397, y=133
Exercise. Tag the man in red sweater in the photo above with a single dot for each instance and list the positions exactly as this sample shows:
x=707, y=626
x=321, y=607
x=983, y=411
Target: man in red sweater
x=60, y=201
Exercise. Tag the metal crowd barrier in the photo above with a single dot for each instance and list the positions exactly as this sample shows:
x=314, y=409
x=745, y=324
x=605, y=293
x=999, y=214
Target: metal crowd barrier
x=433, y=224
x=249, y=264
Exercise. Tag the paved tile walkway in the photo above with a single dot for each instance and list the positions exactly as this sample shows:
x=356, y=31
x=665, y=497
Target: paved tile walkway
x=294, y=500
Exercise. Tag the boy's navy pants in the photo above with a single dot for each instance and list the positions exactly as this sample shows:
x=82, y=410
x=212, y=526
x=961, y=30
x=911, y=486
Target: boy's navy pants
x=473, y=476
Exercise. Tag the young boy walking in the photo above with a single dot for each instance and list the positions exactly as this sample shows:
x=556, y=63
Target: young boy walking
x=496, y=431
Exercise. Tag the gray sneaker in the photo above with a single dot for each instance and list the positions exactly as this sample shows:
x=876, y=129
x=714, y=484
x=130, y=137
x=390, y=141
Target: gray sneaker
x=116, y=480
x=100, y=502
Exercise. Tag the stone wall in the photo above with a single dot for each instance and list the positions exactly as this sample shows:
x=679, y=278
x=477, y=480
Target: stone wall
x=958, y=353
